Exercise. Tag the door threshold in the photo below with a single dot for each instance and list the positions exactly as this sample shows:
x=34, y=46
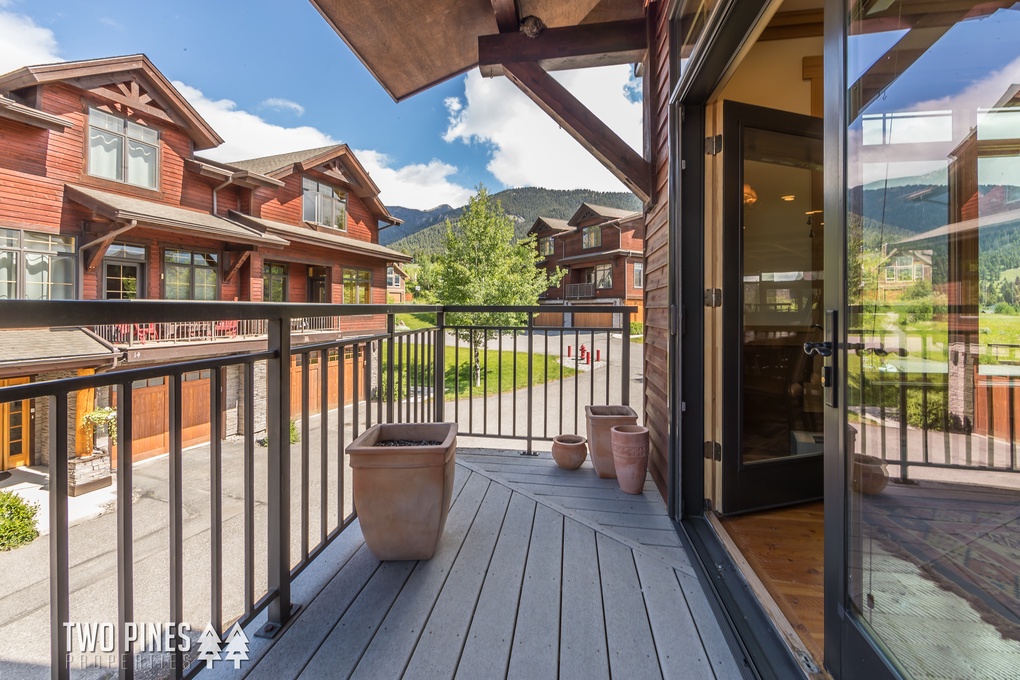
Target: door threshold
x=812, y=667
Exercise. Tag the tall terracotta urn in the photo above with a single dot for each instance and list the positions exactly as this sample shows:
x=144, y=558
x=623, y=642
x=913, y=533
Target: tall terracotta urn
x=630, y=455
x=600, y=420
x=402, y=476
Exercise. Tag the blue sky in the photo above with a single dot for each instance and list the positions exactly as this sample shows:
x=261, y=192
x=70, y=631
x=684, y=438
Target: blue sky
x=272, y=77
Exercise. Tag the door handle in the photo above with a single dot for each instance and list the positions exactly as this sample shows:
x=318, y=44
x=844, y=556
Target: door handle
x=822, y=349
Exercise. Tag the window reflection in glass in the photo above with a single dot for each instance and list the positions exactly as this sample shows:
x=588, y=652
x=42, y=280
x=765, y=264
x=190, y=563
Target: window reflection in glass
x=934, y=335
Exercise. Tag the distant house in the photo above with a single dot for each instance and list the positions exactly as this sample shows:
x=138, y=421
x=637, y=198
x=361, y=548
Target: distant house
x=900, y=269
x=103, y=197
x=601, y=251
x=396, y=285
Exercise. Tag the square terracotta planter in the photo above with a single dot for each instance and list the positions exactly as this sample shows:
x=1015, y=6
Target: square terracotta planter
x=402, y=494
x=600, y=421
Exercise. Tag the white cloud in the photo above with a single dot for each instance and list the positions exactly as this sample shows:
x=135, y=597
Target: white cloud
x=528, y=148
x=112, y=23
x=281, y=104
x=24, y=43
x=419, y=185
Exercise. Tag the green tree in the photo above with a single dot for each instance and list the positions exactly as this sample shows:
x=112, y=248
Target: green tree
x=483, y=265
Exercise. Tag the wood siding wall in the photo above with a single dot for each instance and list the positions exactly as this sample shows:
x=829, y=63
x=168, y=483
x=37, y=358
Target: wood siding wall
x=656, y=383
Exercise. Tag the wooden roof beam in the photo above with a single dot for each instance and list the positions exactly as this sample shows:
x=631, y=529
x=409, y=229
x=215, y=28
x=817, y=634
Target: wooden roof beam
x=568, y=47
x=506, y=15
x=569, y=113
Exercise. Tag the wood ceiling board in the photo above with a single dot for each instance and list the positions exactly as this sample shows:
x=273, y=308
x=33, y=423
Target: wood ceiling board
x=408, y=47
x=555, y=13
x=615, y=10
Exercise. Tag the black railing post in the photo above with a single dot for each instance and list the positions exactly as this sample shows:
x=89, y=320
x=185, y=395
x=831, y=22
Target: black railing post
x=531, y=379
x=125, y=528
x=278, y=431
x=391, y=329
x=175, y=494
x=904, y=474
x=439, y=373
x=215, y=500
x=625, y=361
x=60, y=594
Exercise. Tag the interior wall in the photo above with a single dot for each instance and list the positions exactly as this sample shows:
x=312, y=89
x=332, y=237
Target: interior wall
x=772, y=75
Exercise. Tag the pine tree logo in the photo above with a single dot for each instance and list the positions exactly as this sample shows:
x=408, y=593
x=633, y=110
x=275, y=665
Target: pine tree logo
x=235, y=648
x=209, y=646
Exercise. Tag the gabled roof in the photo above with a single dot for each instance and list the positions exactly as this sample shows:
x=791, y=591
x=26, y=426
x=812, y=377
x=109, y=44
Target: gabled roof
x=223, y=171
x=550, y=223
x=589, y=211
x=336, y=160
x=151, y=92
x=127, y=209
x=320, y=238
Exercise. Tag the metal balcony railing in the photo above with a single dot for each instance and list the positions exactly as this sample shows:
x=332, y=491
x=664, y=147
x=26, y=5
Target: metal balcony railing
x=507, y=380
x=137, y=334
x=575, y=291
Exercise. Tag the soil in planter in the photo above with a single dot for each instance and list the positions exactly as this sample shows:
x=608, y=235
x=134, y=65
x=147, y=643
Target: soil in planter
x=407, y=442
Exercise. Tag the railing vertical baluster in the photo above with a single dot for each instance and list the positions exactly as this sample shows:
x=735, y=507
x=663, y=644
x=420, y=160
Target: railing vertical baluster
x=440, y=373
x=577, y=374
x=306, y=369
x=545, y=386
x=324, y=446
x=422, y=354
x=176, y=498
x=399, y=379
x=125, y=529
x=356, y=388
x=946, y=422
x=990, y=435
x=609, y=361
x=456, y=377
x=471, y=382
x=563, y=333
x=379, y=384
x=531, y=381
x=485, y=382
x=924, y=398
x=278, y=473
x=513, y=405
x=341, y=413
x=1012, y=424
x=625, y=361
x=368, y=385
x=903, y=431
x=591, y=370
x=215, y=501
x=60, y=588
x=390, y=329
x=248, y=472
x=499, y=387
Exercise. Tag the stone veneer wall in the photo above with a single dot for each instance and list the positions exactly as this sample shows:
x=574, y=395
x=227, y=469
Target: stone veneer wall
x=41, y=420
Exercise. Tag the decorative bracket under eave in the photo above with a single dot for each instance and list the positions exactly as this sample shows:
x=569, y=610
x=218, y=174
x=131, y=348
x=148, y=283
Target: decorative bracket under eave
x=239, y=261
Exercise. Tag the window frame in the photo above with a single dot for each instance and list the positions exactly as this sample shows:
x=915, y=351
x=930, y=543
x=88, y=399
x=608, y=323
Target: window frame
x=117, y=259
x=546, y=241
x=607, y=276
x=21, y=251
x=166, y=264
x=357, y=277
x=320, y=196
x=267, y=276
x=639, y=267
x=591, y=237
x=393, y=279
x=126, y=139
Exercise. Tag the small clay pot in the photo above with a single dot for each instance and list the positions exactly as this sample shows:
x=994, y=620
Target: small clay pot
x=869, y=476
x=630, y=456
x=569, y=451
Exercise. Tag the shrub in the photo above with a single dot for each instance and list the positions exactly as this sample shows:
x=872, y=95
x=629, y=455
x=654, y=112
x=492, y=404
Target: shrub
x=17, y=521
x=1005, y=308
x=637, y=328
x=933, y=417
x=295, y=433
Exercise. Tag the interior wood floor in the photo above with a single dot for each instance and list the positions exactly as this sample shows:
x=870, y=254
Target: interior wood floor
x=785, y=548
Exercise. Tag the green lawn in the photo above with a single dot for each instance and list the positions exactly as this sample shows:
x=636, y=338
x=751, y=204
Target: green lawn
x=416, y=322
x=458, y=372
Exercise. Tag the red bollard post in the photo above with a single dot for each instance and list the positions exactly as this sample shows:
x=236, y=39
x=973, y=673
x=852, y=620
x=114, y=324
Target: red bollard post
x=569, y=350
x=598, y=355
x=589, y=359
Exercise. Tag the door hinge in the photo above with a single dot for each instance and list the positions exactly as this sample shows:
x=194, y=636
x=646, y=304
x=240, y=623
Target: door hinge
x=672, y=319
x=713, y=451
x=708, y=505
x=683, y=165
x=713, y=297
x=713, y=145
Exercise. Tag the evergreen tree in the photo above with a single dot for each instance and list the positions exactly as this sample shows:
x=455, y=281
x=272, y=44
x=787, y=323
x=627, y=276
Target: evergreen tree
x=484, y=265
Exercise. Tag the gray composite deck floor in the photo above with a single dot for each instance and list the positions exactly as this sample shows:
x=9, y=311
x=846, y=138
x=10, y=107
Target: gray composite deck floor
x=541, y=573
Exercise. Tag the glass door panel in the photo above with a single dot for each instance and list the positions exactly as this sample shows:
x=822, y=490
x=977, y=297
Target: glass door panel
x=933, y=334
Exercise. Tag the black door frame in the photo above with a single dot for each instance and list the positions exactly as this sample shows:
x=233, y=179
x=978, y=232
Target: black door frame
x=766, y=484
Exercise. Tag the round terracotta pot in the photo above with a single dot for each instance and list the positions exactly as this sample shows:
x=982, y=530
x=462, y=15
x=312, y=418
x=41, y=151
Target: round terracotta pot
x=870, y=476
x=569, y=451
x=630, y=456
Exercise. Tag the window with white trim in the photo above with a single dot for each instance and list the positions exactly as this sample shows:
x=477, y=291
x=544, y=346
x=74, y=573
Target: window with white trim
x=122, y=150
x=36, y=266
x=603, y=276
x=357, y=287
x=545, y=246
x=323, y=204
x=591, y=237
x=639, y=275
x=392, y=278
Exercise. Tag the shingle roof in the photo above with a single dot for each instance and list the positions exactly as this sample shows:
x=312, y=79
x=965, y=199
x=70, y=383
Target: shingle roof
x=51, y=345
x=267, y=164
x=126, y=208
x=551, y=222
x=309, y=235
x=586, y=210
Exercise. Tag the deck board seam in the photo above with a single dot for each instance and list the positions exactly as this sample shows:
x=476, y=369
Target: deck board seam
x=701, y=637
x=591, y=524
x=520, y=590
x=648, y=616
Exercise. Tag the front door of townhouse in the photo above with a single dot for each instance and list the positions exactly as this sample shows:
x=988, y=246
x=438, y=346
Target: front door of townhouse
x=772, y=308
x=14, y=429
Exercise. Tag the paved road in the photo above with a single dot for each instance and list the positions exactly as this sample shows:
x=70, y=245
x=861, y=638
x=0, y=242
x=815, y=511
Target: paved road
x=24, y=607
